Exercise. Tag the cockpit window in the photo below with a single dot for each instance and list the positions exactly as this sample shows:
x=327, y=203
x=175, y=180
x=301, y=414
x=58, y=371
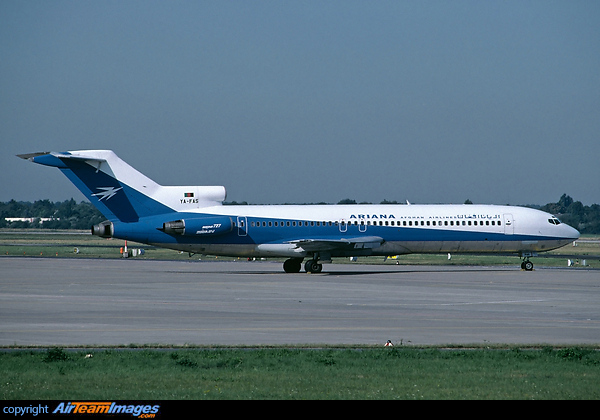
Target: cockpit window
x=554, y=221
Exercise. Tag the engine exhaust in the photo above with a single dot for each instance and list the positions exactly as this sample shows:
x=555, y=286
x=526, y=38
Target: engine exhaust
x=103, y=230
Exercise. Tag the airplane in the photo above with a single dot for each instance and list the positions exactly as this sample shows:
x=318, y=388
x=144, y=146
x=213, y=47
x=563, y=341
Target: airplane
x=194, y=219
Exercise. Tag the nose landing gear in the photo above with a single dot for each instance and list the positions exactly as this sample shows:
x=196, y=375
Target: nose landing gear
x=526, y=264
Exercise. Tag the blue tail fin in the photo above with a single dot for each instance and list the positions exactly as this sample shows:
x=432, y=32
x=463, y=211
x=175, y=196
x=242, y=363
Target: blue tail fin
x=118, y=190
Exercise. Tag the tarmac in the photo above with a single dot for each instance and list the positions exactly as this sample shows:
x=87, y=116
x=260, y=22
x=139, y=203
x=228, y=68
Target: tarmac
x=95, y=302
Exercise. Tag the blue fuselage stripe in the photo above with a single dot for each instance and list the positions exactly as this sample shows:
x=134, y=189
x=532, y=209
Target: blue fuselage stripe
x=147, y=230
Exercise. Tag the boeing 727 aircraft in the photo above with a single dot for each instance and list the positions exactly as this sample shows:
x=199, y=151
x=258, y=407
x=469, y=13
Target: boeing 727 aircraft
x=193, y=219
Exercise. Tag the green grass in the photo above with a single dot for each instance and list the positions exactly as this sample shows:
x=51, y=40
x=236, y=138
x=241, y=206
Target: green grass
x=297, y=373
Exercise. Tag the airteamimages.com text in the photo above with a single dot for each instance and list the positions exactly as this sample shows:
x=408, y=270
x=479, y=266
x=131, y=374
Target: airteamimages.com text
x=85, y=407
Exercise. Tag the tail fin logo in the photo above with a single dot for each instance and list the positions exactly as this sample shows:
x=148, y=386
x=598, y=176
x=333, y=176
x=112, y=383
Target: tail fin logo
x=106, y=193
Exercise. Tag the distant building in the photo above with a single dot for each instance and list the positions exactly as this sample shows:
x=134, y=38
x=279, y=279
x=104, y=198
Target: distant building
x=39, y=220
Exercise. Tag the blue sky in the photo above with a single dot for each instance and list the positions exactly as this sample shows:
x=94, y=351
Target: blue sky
x=309, y=101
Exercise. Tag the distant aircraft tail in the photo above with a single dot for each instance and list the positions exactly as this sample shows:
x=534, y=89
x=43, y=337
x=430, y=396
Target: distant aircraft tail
x=119, y=191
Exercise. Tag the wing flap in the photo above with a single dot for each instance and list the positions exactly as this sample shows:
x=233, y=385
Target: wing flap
x=330, y=244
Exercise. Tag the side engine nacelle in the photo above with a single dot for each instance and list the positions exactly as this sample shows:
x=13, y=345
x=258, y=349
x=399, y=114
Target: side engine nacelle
x=202, y=226
x=104, y=229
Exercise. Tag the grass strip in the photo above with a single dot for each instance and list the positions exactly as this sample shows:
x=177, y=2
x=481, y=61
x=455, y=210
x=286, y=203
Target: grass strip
x=405, y=373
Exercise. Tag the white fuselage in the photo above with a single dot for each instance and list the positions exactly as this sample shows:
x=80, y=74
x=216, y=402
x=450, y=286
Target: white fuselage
x=275, y=230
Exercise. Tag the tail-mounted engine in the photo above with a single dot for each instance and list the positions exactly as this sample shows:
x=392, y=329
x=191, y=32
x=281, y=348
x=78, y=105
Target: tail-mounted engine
x=203, y=226
x=104, y=229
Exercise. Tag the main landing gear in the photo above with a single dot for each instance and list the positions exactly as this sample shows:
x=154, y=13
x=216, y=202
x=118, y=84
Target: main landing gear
x=293, y=265
x=313, y=266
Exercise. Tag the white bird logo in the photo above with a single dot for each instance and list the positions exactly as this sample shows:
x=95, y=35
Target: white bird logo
x=107, y=192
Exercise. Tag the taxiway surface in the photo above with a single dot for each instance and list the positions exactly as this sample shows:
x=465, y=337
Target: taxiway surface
x=46, y=301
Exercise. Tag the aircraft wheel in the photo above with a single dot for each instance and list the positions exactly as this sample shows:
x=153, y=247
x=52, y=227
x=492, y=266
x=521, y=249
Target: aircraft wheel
x=292, y=265
x=312, y=266
x=528, y=265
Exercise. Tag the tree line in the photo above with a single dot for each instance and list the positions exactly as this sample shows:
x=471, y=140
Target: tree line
x=586, y=219
x=69, y=214
x=45, y=214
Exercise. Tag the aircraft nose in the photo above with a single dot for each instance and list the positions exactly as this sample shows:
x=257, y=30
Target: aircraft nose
x=571, y=233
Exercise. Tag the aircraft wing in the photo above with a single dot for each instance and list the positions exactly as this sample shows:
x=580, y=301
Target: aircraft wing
x=320, y=244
